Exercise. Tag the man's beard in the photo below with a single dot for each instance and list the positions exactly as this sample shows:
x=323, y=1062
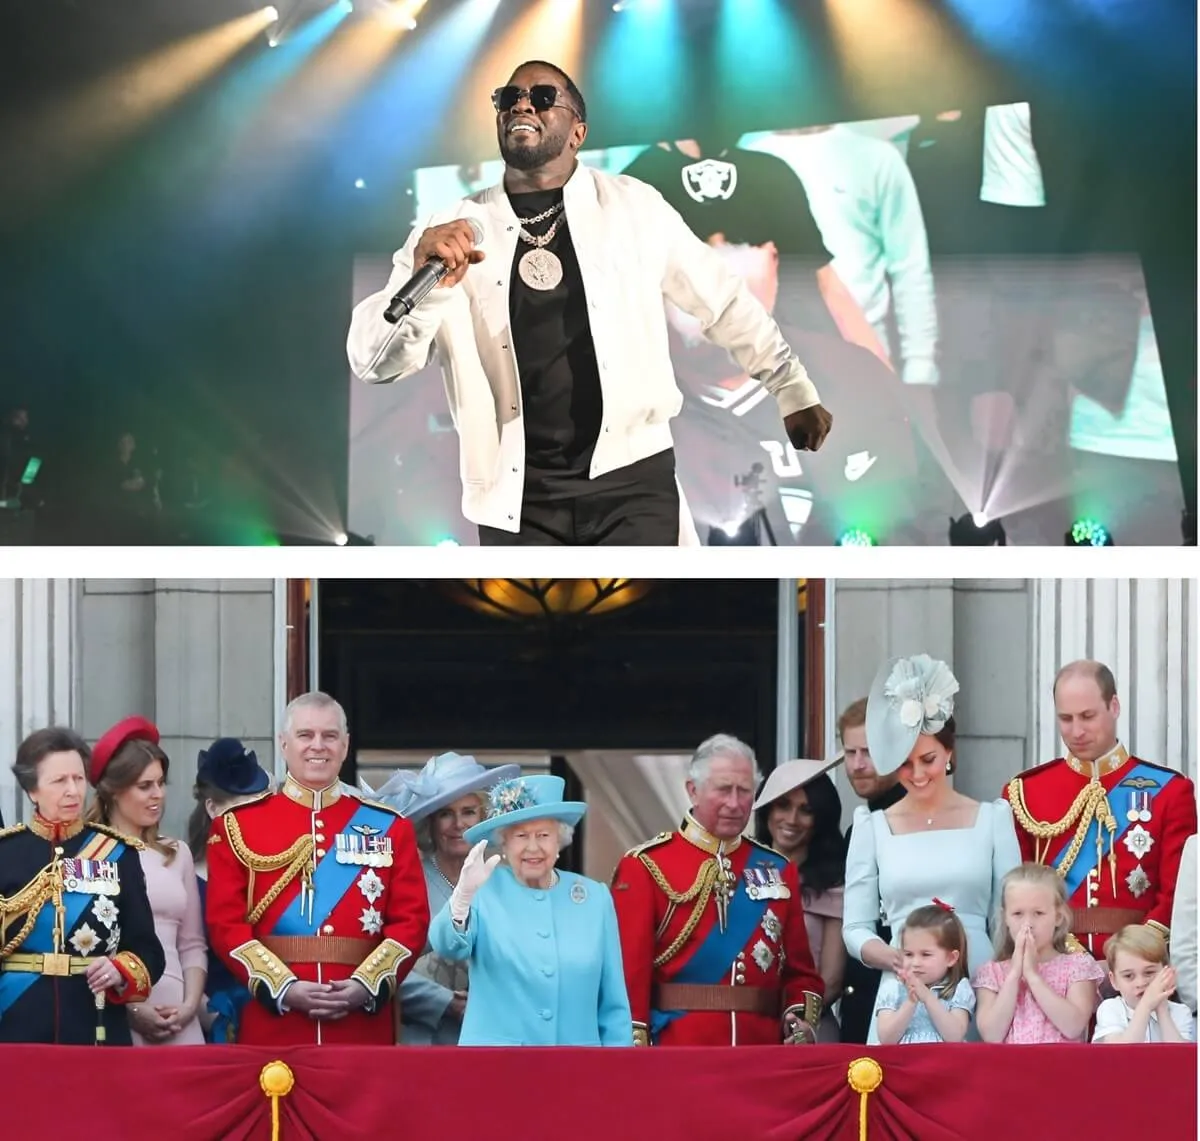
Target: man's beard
x=525, y=157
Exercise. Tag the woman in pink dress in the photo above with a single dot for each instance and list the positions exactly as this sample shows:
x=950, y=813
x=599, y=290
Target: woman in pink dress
x=799, y=808
x=129, y=772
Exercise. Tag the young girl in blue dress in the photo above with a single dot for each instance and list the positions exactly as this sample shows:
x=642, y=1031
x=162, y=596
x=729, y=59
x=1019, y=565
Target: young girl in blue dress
x=930, y=997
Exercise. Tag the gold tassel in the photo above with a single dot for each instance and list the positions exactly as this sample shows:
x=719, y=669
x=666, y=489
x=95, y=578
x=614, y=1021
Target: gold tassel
x=865, y=1076
x=276, y=1080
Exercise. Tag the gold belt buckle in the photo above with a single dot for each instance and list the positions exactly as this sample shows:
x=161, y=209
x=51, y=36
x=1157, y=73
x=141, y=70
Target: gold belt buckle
x=59, y=966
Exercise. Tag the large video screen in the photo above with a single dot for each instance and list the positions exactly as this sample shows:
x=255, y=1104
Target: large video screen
x=916, y=267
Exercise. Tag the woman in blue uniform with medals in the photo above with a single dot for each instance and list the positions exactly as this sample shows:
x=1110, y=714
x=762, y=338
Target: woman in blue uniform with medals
x=77, y=942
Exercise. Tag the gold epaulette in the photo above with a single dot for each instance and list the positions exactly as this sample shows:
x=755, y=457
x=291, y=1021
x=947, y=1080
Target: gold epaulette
x=379, y=804
x=132, y=841
x=246, y=803
x=12, y=830
x=653, y=842
x=765, y=847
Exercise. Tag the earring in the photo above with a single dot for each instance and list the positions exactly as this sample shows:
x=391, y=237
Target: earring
x=949, y=768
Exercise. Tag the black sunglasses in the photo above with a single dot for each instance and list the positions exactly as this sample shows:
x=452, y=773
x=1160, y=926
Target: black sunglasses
x=542, y=96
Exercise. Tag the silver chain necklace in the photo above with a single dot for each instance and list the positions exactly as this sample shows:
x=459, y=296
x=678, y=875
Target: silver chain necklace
x=539, y=268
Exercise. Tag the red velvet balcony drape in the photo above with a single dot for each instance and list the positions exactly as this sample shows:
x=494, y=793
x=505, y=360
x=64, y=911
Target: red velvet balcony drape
x=931, y=1093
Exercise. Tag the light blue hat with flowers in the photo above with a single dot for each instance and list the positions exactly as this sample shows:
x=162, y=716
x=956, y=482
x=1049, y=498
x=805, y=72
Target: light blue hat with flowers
x=908, y=697
x=439, y=782
x=527, y=798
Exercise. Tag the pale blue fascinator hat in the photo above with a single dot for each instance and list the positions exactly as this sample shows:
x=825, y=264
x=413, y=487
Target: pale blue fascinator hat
x=528, y=798
x=439, y=782
x=908, y=697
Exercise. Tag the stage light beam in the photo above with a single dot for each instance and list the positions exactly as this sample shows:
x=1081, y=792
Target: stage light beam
x=76, y=130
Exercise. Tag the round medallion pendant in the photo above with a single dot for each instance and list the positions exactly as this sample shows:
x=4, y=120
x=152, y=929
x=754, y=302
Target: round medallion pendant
x=540, y=269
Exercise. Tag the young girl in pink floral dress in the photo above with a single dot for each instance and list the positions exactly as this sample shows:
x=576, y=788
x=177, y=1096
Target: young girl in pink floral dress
x=1035, y=991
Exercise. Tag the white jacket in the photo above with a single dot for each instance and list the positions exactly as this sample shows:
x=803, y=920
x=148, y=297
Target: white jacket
x=634, y=250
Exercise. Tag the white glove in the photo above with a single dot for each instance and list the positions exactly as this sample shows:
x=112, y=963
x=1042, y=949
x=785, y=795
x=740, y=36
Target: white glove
x=474, y=874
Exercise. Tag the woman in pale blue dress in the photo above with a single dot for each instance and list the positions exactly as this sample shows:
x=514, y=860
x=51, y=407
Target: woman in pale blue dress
x=933, y=844
x=443, y=800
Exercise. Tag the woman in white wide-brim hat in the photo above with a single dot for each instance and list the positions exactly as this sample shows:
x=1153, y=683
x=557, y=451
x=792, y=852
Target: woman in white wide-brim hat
x=542, y=944
x=800, y=810
x=442, y=800
x=933, y=844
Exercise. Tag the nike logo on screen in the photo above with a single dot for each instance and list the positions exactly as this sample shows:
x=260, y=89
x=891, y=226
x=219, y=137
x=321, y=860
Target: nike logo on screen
x=858, y=464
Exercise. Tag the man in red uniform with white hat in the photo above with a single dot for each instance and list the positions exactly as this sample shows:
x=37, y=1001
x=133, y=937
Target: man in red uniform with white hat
x=316, y=897
x=712, y=927
x=1113, y=825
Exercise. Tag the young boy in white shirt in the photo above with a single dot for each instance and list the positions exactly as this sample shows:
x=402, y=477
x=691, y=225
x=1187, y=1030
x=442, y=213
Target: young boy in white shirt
x=1143, y=1010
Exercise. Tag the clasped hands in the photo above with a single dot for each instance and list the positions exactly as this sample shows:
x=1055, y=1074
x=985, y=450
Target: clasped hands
x=1025, y=954
x=918, y=991
x=326, y=1002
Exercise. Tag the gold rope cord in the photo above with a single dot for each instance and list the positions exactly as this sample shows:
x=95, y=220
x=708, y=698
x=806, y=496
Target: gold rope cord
x=29, y=901
x=700, y=891
x=1091, y=802
x=295, y=859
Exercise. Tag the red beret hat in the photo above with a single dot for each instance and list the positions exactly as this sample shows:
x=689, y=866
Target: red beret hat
x=131, y=729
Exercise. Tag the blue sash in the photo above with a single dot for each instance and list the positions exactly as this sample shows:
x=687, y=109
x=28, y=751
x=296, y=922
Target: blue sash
x=40, y=940
x=331, y=880
x=710, y=962
x=1087, y=859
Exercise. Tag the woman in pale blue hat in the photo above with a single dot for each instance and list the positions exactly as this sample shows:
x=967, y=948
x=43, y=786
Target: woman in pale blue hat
x=542, y=944
x=445, y=798
x=933, y=844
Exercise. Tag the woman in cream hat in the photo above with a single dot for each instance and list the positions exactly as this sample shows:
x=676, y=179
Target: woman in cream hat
x=543, y=946
x=933, y=844
x=442, y=800
x=799, y=808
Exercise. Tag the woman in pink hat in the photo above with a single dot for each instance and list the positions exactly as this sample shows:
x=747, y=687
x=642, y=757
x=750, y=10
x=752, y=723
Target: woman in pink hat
x=800, y=810
x=129, y=774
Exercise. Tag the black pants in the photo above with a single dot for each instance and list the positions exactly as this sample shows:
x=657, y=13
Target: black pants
x=643, y=513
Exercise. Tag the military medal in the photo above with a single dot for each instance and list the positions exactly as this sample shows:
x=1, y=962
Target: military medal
x=85, y=940
x=771, y=926
x=1138, y=841
x=371, y=920
x=365, y=846
x=1138, y=882
x=370, y=885
x=1139, y=807
x=763, y=956
x=105, y=910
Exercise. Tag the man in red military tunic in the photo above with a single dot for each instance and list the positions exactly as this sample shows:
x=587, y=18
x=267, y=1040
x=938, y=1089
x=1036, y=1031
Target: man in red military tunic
x=1113, y=825
x=712, y=927
x=316, y=897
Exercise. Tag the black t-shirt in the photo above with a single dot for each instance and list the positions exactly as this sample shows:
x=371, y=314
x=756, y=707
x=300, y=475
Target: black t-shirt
x=751, y=199
x=747, y=196
x=556, y=360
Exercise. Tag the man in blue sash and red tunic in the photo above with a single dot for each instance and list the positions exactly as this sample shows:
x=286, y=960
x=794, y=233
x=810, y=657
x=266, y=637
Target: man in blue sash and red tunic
x=316, y=897
x=712, y=927
x=1113, y=825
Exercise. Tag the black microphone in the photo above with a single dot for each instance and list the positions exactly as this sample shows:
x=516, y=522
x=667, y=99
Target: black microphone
x=417, y=287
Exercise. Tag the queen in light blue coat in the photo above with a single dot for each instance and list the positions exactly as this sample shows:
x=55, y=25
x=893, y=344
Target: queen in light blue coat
x=543, y=947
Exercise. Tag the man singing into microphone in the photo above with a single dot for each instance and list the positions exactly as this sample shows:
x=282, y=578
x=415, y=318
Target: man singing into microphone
x=554, y=348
